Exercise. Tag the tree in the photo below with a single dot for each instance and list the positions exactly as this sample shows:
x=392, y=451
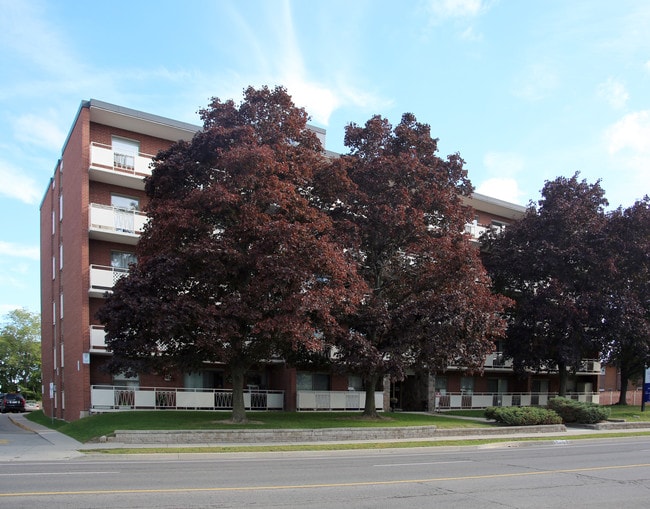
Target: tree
x=548, y=263
x=626, y=292
x=398, y=209
x=20, y=353
x=235, y=266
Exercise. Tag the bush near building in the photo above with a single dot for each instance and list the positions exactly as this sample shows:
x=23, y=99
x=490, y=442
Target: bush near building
x=522, y=416
x=578, y=412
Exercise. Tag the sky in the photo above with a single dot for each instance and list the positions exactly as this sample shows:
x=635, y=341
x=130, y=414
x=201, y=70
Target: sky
x=525, y=91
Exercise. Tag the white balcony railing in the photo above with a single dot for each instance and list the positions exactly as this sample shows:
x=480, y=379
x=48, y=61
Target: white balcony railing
x=103, y=278
x=107, y=165
x=498, y=360
x=336, y=400
x=475, y=230
x=97, y=339
x=115, y=224
x=110, y=398
x=459, y=400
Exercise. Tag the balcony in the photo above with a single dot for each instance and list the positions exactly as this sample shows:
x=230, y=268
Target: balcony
x=97, y=339
x=498, y=361
x=110, y=167
x=110, y=398
x=475, y=230
x=114, y=224
x=102, y=279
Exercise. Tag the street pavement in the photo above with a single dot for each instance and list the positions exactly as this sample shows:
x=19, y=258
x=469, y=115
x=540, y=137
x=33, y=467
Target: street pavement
x=34, y=442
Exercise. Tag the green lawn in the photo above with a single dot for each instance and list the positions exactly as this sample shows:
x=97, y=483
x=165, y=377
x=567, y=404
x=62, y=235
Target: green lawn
x=104, y=424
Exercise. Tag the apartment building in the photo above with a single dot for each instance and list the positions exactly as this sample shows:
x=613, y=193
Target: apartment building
x=91, y=218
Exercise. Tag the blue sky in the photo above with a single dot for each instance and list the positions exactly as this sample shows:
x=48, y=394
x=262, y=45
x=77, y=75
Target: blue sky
x=525, y=91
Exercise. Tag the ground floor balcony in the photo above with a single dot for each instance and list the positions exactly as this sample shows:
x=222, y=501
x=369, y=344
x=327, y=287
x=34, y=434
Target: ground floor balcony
x=109, y=398
x=455, y=401
x=106, y=398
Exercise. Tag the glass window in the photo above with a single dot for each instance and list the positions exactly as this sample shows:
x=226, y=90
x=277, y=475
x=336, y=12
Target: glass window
x=125, y=202
x=467, y=385
x=355, y=383
x=124, y=153
x=312, y=381
x=441, y=385
x=122, y=259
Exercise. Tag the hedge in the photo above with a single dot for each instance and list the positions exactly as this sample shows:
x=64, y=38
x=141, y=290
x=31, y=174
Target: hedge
x=578, y=412
x=522, y=416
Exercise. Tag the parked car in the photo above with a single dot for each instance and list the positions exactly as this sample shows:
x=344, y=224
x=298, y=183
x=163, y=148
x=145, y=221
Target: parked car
x=32, y=405
x=12, y=403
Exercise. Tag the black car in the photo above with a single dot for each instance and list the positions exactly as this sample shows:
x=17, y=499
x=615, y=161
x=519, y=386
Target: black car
x=12, y=403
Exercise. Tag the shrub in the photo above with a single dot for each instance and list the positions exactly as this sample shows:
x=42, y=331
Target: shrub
x=522, y=416
x=578, y=412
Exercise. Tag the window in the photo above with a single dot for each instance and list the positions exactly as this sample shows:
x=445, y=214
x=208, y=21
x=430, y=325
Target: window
x=60, y=207
x=61, y=305
x=125, y=207
x=441, y=385
x=60, y=256
x=125, y=202
x=122, y=259
x=497, y=385
x=312, y=381
x=53, y=268
x=355, y=383
x=467, y=385
x=124, y=153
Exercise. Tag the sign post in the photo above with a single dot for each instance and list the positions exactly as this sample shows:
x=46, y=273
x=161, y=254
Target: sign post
x=646, y=388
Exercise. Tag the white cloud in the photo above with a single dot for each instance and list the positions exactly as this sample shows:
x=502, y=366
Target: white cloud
x=632, y=132
x=19, y=251
x=445, y=9
x=504, y=164
x=614, y=93
x=503, y=169
x=536, y=82
x=17, y=185
x=646, y=66
x=37, y=130
x=505, y=189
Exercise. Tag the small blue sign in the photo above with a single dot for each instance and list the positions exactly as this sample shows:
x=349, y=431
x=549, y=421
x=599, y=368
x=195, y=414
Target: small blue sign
x=646, y=392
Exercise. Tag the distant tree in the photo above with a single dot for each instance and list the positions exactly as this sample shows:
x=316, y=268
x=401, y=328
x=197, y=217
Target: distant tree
x=235, y=265
x=20, y=353
x=548, y=263
x=397, y=206
x=626, y=291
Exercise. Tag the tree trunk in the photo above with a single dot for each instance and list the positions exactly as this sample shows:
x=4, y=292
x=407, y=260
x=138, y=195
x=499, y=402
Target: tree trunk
x=563, y=375
x=238, y=409
x=370, y=409
x=622, y=398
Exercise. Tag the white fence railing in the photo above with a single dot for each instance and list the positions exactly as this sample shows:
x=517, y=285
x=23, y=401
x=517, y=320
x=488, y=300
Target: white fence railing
x=103, y=278
x=107, y=218
x=453, y=401
x=104, y=156
x=336, y=400
x=108, y=398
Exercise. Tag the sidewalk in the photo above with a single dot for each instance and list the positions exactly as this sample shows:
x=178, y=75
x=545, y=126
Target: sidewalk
x=58, y=446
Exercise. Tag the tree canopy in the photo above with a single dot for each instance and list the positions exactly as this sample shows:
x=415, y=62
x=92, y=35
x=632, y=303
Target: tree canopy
x=20, y=353
x=397, y=206
x=626, y=292
x=549, y=263
x=235, y=266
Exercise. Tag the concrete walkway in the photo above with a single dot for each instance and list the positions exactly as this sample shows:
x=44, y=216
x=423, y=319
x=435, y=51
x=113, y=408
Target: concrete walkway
x=57, y=446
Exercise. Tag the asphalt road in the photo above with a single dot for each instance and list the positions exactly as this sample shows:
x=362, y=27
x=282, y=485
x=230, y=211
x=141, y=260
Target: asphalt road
x=599, y=473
